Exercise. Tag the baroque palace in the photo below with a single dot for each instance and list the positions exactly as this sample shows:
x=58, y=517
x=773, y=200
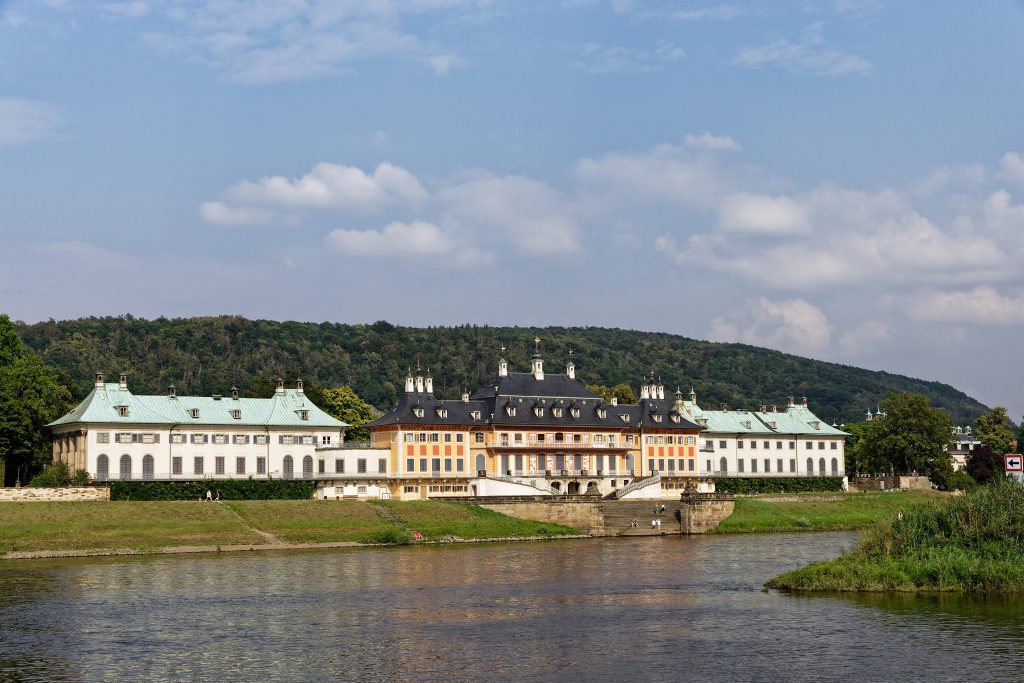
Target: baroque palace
x=524, y=434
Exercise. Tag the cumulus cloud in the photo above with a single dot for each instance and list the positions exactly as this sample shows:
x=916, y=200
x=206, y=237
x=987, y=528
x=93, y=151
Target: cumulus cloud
x=865, y=337
x=810, y=55
x=522, y=211
x=595, y=58
x=981, y=304
x=714, y=143
x=398, y=239
x=336, y=186
x=1011, y=169
x=24, y=120
x=220, y=213
x=791, y=325
x=760, y=214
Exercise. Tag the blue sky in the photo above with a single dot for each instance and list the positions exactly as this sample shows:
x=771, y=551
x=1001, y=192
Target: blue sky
x=841, y=179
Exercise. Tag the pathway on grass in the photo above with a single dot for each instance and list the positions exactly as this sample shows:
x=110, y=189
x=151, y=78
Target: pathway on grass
x=387, y=515
x=269, y=537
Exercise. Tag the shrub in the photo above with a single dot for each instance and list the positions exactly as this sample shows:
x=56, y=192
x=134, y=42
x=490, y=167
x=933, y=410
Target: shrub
x=56, y=475
x=960, y=480
x=230, y=489
x=80, y=478
x=778, y=484
x=388, y=536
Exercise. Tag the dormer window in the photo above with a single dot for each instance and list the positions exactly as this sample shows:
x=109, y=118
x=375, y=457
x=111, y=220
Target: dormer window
x=194, y=413
x=303, y=414
x=442, y=413
x=602, y=413
x=557, y=412
x=510, y=410
x=814, y=424
x=122, y=411
x=538, y=412
x=746, y=423
x=237, y=414
x=773, y=424
x=656, y=418
x=475, y=414
x=675, y=418
x=575, y=412
x=418, y=412
x=624, y=417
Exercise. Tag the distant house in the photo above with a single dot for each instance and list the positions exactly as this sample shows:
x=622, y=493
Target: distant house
x=962, y=443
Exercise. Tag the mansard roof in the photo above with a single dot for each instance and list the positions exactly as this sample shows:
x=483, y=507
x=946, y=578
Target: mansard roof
x=526, y=384
x=284, y=408
x=797, y=420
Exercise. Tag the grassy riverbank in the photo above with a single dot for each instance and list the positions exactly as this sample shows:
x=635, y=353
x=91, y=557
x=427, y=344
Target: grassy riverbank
x=818, y=512
x=972, y=543
x=149, y=526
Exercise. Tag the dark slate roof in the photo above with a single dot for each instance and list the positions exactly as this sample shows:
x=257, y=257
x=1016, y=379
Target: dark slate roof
x=525, y=384
x=458, y=412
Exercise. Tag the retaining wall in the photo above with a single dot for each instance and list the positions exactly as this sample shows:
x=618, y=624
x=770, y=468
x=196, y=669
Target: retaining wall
x=69, y=493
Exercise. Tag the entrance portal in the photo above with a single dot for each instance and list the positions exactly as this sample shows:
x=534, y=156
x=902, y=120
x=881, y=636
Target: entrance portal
x=573, y=489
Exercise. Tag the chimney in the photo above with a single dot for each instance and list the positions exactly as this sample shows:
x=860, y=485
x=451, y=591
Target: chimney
x=803, y=401
x=234, y=393
x=775, y=408
x=300, y=388
x=724, y=406
x=99, y=379
x=122, y=381
x=502, y=368
x=410, y=385
x=764, y=408
x=615, y=400
x=645, y=389
x=789, y=402
x=172, y=391
x=280, y=386
x=429, y=382
x=693, y=396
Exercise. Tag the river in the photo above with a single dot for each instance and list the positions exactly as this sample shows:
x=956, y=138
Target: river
x=643, y=609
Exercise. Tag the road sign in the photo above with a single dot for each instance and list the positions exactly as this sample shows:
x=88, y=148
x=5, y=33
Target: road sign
x=1013, y=462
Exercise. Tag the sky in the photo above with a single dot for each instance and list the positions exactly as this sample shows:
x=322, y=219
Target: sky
x=840, y=179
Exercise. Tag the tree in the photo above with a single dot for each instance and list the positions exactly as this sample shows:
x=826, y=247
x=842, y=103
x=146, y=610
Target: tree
x=622, y=392
x=855, y=459
x=911, y=437
x=344, y=404
x=31, y=395
x=984, y=464
x=995, y=430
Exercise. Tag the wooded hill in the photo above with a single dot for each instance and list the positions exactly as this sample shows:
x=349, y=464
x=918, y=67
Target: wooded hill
x=208, y=355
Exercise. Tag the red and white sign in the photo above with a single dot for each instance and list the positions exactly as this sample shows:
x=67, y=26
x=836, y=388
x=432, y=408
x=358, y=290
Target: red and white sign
x=1013, y=462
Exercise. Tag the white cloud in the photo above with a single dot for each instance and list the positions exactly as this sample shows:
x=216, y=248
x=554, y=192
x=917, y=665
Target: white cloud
x=129, y=10
x=398, y=239
x=714, y=143
x=865, y=337
x=791, y=325
x=336, y=186
x=220, y=213
x=521, y=211
x=23, y=120
x=598, y=59
x=760, y=214
x=857, y=8
x=720, y=12
x=983, y=305
x=443, y=63
x=1011, y=169
x=810, y=55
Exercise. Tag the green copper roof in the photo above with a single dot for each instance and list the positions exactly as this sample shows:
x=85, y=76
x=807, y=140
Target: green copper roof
x=795, y=419
x=285, y=408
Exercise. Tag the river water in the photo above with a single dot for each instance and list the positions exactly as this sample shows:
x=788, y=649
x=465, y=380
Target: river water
x=644, y=609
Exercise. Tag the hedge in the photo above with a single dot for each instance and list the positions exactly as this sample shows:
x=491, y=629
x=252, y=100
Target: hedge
x=230, y=489
x=778, y=484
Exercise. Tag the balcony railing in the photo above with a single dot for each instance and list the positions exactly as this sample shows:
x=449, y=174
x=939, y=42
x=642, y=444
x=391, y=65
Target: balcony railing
x=551, y=443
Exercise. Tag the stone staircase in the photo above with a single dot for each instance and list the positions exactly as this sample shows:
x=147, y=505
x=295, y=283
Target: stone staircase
x=619, y=513
x=633, y=486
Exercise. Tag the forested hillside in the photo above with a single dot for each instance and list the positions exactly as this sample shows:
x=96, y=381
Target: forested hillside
x=209, y=355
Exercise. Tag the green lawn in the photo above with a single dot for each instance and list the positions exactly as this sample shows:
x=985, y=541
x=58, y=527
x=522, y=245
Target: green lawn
x=315, y=521
x=105, y=525
x=438, y=520
x=820, y=512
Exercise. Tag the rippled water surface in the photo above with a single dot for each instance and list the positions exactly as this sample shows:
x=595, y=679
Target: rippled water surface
x=613, y=609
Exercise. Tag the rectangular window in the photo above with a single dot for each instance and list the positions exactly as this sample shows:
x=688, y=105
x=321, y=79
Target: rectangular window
x=792, y=466
x=305, y=440
x=321, y=467
x=650, y=440
x=447, y=464
x=200, y=438
x=176, y=465
x=410, y=465
x=361, y=465
x=809, y=445
x=422, y=437
x=459, y=465
x=218, y=465
x=240, y=439
x=447, y=437
x=124, y=437
x=102, y=437
x=239, y=465
x=739, y=444
x=361, y=490
x=261, y=439
x=767, y=445
x=767, y=465
x=691, y=440
x=778, y=445
x=559, y=462
x=721, y=444
x=458, y=438
x=671, y=465
x=434, y=437
x=834, y=445
x=739, y=464
x=382, y=465
x=753, y=465
x=220, y=439
x=650, y=465
x=753, y=443
x=661, y=464
x=325, y=440
x=479, y=437
x=150, y=438
x=261, y=465
x=821, y=445
x=709, y=445
x=435, y=465
x=285, y=439
x=706, y=462
x=423, y=464
x=792, y=445
x=778, y=465
x=693, y=465
x=197, y=466
x=661, y=440
x=339, y=465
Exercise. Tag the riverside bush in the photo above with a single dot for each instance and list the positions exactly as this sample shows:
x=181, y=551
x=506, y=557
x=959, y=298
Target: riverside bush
x=230, y=489
x=778, y=484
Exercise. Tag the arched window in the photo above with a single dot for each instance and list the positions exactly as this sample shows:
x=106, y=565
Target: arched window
x=810, y=466
x=289, y=467
x=307, y=467
x=102, y=468
x=629, y=464
x=126, y=466
x=821, y=466
x=481, y=463
x=723, y=465
x=835, y=467
x=147, y=467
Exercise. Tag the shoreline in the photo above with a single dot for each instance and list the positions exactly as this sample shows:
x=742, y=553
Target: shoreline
x=241, y=548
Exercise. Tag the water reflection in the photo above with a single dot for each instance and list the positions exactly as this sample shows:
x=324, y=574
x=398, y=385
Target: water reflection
x=616, y=609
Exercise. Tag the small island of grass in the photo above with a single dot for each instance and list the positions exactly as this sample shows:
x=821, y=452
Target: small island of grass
x=971, y=544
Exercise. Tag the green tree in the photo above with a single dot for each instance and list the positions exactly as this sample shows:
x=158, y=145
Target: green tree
x=855, y=459
x=344, y=404
x=912, y=436
x=31, y=395
x=984, y=465
x=622, y=392
x=995, y=430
